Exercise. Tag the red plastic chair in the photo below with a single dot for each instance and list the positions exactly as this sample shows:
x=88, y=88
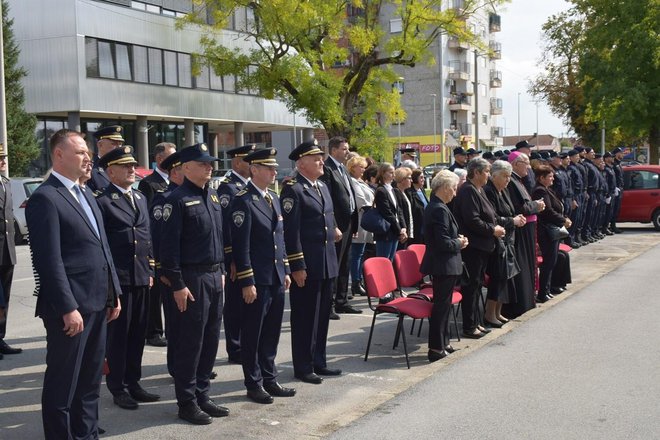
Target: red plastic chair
x=564, y=247
x=380, y=280
x=407, y=267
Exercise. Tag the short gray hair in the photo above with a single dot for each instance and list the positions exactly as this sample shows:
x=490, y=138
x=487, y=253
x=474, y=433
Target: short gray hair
x=500, y=166
x=476, y=164
x=442, y=179
x=460, y=172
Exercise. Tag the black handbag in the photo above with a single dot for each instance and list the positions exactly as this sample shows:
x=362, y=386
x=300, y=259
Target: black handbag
x=556, y=233
x=372, y=221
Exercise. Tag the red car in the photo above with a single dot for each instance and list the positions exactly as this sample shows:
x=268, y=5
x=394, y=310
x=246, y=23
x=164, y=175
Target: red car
x=641, y=195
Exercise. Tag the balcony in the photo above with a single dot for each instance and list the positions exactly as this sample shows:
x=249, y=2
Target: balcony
x=455, y=43
x=494, y=23
x=459, y=70
x=496, y=132
x=460, y=129
x=495, y=79
x=495, y=50
x=460, y=101
x=496, y=106
x=458, y=6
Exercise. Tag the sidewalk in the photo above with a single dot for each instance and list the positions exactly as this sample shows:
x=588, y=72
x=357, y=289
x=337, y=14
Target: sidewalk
x=316, y=411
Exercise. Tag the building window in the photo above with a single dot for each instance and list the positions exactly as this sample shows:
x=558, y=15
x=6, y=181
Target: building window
x=168, y=12
x=140, y=64
x=398, y=86
x=106, y=66
x=185, y=70
x=396, y=25
x=91, y=58
x=484, y=119
x=155, y=66
x=139, y=5
x=153, y=9
x=229, y=83
x=123, y=61
x=216, y=81
x=202, y=80
x=170, y=68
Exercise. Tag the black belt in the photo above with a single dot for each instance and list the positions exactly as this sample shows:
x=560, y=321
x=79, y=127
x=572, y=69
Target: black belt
x=202, y=267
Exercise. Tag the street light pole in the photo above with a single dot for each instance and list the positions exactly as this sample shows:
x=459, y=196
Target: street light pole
x=518, y=116
x=4, y=148
x=435, y=133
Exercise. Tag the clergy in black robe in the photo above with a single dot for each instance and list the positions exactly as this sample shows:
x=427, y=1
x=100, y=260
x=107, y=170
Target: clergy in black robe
x=525, y=238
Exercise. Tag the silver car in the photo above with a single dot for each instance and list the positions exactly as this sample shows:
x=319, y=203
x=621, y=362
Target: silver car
x=21, y=189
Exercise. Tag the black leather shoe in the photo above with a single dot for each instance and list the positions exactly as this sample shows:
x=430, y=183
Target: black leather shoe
x=213, y=409
x=358, y=290
x=213, y=375
x=617, y=230
x=346, y=308
x=325, y=371
x=259, y=395
x=157, y=341
x=334, y=316
x=474, y=335
x=100, y=430
x=277, y=390
x=310, y=378
x=235, y=359
x=493, y=324
x=141, y=395
x=449, y=349
x=434, y=355
x=194, y=414
x=123, y=400
x=483, y=329
x=6, y=349
x=542, y=298
x=556, y=290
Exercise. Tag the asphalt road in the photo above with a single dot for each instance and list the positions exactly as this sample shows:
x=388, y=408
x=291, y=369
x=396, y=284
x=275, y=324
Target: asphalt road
x=550, y=388
x=588, y=368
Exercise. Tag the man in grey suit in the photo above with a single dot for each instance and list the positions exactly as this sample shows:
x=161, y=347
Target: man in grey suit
x=79, y=290
x=7, y=252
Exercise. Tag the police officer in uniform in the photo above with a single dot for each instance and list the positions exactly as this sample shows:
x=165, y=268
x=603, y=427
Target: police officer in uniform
x=589, y=232
x=618, y=172
x=7, y=253
x=460, y=159
x=172, y=165
x=530, y=180
x=577, y=184
x=610, y=192
x=191, y=253
x=562, y=184
x=107, y=139
x=126, y=219
x=309, y=235
x=235, y=181
x=262, y=275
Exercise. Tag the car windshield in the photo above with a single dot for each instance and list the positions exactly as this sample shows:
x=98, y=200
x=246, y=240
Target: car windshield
x=30, y=187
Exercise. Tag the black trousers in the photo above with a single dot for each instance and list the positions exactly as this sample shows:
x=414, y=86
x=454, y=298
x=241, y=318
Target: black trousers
x=475, y=261
x=260, y=335
x=74, y=365
x=616, y=202
x=343, y=249
x=125, y=343
x=6, y=276
x=310, y=317
x=549, y=249
x=590, y=215
x=443, y=288
x=195, y=335
x=154, y=306
x=232, y=314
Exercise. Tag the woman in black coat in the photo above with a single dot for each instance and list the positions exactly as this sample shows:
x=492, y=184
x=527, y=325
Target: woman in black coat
x=478, y=222
x=442, y=260
x=386, y=204
x=418, y=201
x=551, y=217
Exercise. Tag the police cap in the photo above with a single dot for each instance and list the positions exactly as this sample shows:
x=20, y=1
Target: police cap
x=118, y=156
x=241, y=151
x=262, y=156
x=305, y=149
x=196, y=153
x=459, y=151
x=523, y=144
x=410, y=151
x=172, y=161
x=473, y=151
x=617, y=150
x=487, y=155
x=112, y=132
x=573, y=152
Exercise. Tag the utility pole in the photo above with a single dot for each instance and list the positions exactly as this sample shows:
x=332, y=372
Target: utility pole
x=435, y=133
x=477, y=116
x=518, y=116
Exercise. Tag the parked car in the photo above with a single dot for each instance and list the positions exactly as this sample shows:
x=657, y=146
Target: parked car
x=641, y=195
x=432, y=168
x=21, y=189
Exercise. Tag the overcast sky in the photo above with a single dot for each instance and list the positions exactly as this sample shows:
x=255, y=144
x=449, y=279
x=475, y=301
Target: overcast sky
x=521, y=50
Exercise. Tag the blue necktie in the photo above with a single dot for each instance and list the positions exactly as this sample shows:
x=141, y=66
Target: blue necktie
x=88, y=209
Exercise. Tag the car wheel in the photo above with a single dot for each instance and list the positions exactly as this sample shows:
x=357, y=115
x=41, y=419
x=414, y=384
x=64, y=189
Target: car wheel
x=18, y=237
x=655, y=218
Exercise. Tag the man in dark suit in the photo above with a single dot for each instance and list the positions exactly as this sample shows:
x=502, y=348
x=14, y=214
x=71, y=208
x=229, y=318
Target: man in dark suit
x=79, y=290
x=530, y=179
x=126, y=219
x=7, y=252
x=338, y=183
x=107, y=139
x=192, y=265
x=154, y=182
x=460, y=159
x=235, y=181
x=258, y=241
x=309, y=234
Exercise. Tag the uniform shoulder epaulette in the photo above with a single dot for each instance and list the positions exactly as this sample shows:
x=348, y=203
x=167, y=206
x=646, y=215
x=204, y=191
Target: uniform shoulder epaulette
x=137, y=191
x=241, y=192
x=224, y=179
x=291, y=182
x=272, y=190
x=161, y=190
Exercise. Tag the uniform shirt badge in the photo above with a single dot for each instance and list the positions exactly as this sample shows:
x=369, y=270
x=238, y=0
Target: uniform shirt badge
x=115, y=196
x=167, y=210
x=287, y=204
x=255, y=198
x=157, y=212
x=224, y=200
x=238, y=217
x=215, y=198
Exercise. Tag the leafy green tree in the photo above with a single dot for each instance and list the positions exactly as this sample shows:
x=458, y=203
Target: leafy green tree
x=22, y=143
x=333, y=60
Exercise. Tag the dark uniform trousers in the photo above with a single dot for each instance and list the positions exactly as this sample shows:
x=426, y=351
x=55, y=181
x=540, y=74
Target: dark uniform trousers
x=576, y=217
x=69, y=408
x=195, y=335
x=125, y=343
x=308, y=341
x=232, y=314
x=260, y=335
x=343, y=258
